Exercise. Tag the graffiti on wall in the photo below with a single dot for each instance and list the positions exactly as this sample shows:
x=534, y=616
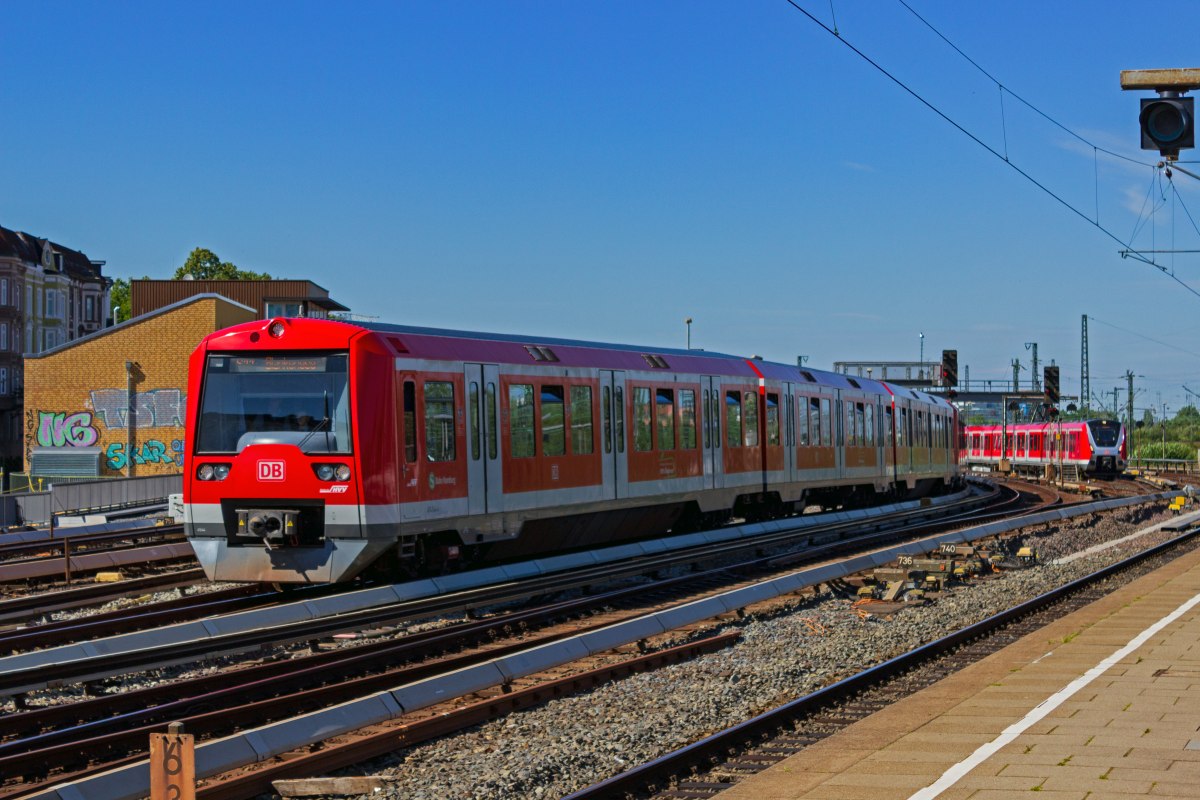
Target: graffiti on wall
x=153, y=409
x=151, y=452
x=157, y=408
x=66, y=430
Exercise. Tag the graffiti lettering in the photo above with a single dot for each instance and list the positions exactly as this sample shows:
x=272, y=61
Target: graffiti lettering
x=151, y=452
x=157, y=408
x=57, y=429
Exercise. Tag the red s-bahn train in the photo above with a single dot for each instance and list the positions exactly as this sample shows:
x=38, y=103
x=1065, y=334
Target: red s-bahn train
x=318, y=448
x=1094, y=447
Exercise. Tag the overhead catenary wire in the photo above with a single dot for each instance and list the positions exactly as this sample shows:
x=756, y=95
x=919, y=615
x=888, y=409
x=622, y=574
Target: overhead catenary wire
x=1127, y=252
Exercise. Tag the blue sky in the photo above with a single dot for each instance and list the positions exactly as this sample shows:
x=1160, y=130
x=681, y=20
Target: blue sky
x=602, y=171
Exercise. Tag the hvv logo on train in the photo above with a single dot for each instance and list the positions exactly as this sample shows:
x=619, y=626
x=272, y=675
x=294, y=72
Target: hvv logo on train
x=270, y=470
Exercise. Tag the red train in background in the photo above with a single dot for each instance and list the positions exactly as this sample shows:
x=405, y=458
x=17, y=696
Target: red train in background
x=1094, y=447
x=317, y=448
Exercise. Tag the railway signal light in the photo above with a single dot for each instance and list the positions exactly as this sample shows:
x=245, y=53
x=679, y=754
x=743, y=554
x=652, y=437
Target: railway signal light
x=949, y=368
x=1168, y=125
x=1050, y=384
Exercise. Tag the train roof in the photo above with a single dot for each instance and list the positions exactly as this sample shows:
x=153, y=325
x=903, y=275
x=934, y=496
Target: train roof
x=447, y=344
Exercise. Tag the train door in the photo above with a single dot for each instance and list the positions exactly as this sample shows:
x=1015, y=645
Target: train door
x=710, y=398
x=789, y=431
x=838, y=426
x=612, y=433
x=484, y=485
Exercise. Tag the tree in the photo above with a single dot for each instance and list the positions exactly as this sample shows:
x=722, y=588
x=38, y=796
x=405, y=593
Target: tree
x=205, y=265
x=119, y=295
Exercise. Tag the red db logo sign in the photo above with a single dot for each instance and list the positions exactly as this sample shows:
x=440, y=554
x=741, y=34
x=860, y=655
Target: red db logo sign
x=270, y=470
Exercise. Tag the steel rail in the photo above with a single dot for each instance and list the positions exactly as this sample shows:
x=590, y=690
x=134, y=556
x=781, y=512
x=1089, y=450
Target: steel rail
x=380, y=743
x=706, y=750
x=116, y=663
x=22, y=608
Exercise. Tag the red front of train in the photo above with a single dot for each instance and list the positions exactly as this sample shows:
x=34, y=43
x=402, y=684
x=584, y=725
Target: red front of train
x=1094, y=447
x=286, y=448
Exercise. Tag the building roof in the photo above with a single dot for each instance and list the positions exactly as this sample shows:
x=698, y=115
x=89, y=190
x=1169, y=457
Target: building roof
x=135, y=321
x=27, y=247
x=148, y=294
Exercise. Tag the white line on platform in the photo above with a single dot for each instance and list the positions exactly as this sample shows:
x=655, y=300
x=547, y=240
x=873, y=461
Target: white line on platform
x=962, y=768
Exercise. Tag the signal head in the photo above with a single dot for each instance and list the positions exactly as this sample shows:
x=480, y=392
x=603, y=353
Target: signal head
x=1168, y=125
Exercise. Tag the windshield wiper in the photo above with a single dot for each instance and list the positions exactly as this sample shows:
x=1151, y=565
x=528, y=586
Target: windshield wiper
x=322, y=424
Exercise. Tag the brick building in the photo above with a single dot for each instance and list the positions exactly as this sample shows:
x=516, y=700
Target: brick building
x=78, y=403
x=270, y=298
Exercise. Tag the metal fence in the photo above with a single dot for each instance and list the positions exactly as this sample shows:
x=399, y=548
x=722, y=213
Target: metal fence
x=69, y=496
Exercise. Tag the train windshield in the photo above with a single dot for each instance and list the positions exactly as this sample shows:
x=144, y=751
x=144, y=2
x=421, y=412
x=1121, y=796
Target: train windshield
x=298, y=399
x=1106, y=432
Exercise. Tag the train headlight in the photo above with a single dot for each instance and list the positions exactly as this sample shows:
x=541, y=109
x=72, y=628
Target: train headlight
x=212, y=472
x=342, y=472
x=325, y=472
x=276, y=329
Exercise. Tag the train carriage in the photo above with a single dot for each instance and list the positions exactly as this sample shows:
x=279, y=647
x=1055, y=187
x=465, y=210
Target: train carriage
x=1095, y=447
x=318, y=448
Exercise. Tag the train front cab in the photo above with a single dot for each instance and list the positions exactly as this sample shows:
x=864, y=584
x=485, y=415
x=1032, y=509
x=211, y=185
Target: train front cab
x=273, y=477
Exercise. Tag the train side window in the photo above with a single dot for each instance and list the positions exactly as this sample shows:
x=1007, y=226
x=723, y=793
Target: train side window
x=619, y=408
x=410, y=421
x=802, y=420
x=706, y=412
x=869, y=424
x=520, y=420
x=772, y=419
x=489, y=397
x=554, y=434
x=848, y=425
x=664, y=418
x=860, y=421
x=642, y=421
x=439, y=421
x=473, y=413
x=687, y=419
x=751, y=417
x=606, y=417
x=581, y=420
x=733, y=419
x=1073, y=443
x=888, y=425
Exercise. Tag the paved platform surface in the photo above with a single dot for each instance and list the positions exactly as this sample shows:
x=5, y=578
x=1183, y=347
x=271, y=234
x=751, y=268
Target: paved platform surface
x=1133, y=731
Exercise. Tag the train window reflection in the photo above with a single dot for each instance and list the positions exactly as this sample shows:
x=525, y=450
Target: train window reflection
x=439, y=421
x=751, y=426
x=642, y=441
x=520, y=420
x=687, y=419
x=733, y=418
x=664, y=416
x=581, y=420
x=302, y=400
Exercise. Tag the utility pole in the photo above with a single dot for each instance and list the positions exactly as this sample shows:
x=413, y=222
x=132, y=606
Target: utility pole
x=967, y=377
x=1116, y=391
x=1129, y=410
x=1085, y=381
x=1035, y=382
x=1016, y=365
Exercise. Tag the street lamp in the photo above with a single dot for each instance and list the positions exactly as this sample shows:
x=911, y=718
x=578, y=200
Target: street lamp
x=922, y=369
x=688, y=322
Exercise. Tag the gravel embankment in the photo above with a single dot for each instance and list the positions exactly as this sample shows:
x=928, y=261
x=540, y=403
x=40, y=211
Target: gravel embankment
x=555, y=749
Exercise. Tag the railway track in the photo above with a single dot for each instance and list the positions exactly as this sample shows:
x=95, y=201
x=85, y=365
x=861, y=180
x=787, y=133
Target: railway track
x=709, y=766
x=17, y=757
x=67, y=557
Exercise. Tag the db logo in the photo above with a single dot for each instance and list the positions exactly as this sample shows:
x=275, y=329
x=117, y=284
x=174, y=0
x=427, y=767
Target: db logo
x=270, y=470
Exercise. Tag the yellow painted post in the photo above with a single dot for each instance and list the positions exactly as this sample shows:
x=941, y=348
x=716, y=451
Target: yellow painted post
x=172, y=764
